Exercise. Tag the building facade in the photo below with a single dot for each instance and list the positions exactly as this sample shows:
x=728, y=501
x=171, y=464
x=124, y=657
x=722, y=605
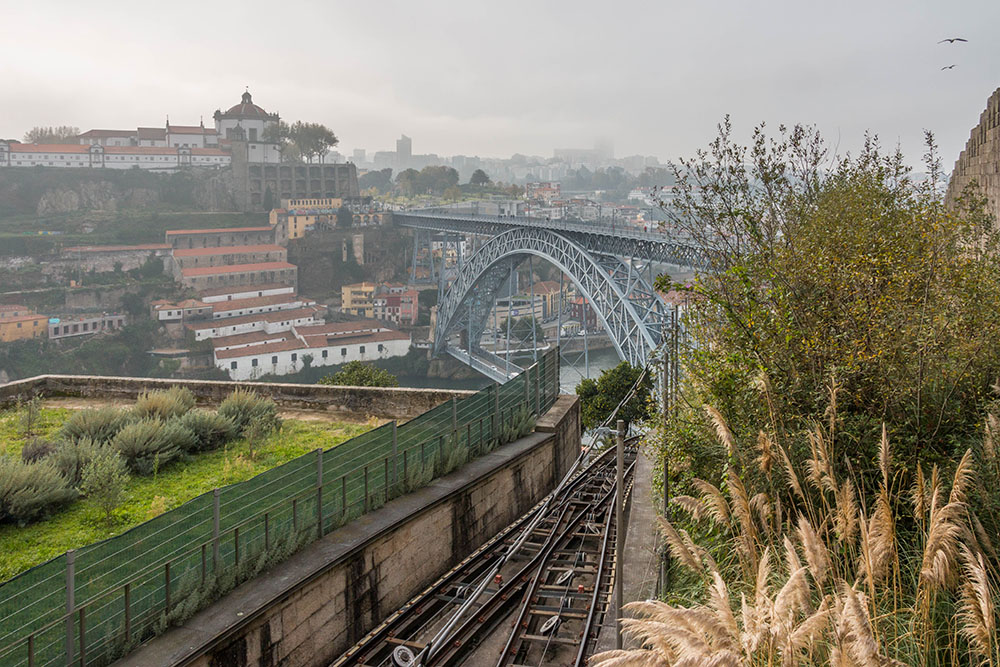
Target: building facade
x=96, y=156
x=240, y=275
x=84, y=325
x=186, y=239
x=358, y=299
x=190, y=258
x=23, y=327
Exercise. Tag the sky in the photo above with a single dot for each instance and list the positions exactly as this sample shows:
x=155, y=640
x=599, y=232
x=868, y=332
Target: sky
x=493, y=79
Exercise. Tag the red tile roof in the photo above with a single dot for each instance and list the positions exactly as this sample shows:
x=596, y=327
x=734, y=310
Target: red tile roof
x=227, y=250
x=208, y=151
x=236, y=268
x=335, y=328
x=252, y=338
x=279, y=316
x=217, y=230
x=151, y=133
x=255, y=350
x=353, y=339
x=12, y=306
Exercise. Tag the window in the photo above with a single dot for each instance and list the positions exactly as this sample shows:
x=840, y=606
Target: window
x=294, y=357
x=274, y=359
x=18, y=325
x=362, y=349
x=325, y=353
x=343, y=351
x=381, y=348
x=232, y=366
x=253, y=362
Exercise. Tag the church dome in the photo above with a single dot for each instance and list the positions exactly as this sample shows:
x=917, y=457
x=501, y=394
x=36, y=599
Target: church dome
x=247, y=109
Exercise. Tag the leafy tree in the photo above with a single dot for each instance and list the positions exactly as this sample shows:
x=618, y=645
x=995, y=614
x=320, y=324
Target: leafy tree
x=313, y=140
x=838, y=277
x=454, y=193
x=104, y=481
x=599, y=398
x=380, y=180
x=51, y=135
x=133, y=304
x=268, y=199
x=280, y=133
x=345, y=219
x=357, y=374
x=479, y=178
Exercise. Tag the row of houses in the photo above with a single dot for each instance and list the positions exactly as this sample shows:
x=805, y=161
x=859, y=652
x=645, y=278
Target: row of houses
x=19, y=322
x=248, y=356
x=391, y=302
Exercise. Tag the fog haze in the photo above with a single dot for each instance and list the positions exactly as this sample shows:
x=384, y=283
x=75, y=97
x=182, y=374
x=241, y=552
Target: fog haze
x=494, y=79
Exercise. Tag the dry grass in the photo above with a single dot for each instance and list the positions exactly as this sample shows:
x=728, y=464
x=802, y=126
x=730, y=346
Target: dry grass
x=798, y=564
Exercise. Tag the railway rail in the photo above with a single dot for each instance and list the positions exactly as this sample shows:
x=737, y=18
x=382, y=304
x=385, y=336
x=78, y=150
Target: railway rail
x=555, y=576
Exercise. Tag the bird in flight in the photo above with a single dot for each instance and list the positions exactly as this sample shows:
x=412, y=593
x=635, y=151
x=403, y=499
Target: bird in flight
x=952, y=40
x=948, y=67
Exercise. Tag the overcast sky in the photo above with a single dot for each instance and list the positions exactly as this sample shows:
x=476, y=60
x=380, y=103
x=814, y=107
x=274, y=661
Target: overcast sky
x=495, y=78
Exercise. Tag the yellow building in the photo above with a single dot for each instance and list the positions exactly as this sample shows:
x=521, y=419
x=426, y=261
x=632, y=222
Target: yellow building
x=358, y=299
x=21, y=327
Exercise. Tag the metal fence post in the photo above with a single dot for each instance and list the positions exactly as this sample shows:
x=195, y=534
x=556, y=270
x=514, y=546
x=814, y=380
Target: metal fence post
x=496, y=411
x=70, y=602
x=215, y=530
x=395, y=454
x=538, y=393
x=319, y=493
x=454, y=414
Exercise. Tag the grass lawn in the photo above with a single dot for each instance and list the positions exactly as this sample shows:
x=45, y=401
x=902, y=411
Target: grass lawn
x=81, y=523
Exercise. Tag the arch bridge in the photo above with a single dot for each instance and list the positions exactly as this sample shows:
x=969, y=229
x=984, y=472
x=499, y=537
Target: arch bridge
x=612, y=268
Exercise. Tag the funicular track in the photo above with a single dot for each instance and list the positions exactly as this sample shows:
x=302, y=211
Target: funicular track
x=554, y=587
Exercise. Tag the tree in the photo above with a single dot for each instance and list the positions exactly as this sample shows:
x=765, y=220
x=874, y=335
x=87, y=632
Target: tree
x=599, y=398
x=268, y=199
x=51, y=135
x=454, y=193
x=357, y=374
x=479, y=178
x=313, y=140
x=281, y=134
x=104, y=481
x=838, y=276
x=380, y=180
x=345, y=219
x=29, y=413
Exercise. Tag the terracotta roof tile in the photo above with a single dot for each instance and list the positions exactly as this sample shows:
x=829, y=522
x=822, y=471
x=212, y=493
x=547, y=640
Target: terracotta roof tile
x=255, y=350
x=218, y=230
x=227, y=250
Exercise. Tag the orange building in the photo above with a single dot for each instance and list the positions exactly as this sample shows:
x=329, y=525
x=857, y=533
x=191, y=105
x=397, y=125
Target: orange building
x=21, y=327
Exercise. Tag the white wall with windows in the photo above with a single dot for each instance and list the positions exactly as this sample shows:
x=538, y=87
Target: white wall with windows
x=252, y=364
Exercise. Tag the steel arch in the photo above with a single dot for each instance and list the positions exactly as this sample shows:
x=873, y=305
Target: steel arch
x=625, y=304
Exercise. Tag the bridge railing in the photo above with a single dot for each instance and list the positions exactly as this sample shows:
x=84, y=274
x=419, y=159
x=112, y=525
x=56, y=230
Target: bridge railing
x=91, y=605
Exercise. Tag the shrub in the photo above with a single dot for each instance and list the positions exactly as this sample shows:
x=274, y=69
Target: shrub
x=72, y=456
x=211, y=430
x=243, y=406
x=104, y=481
x=164, y=403
x=257, y=432
x=180, y=436
x=37, y=449
x=145, y=446
x=29, y=491
x=29, y=414
x=100, y=424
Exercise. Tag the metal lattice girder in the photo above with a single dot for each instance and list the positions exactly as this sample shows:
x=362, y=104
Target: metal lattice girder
x=601, y=238
x=624, y=303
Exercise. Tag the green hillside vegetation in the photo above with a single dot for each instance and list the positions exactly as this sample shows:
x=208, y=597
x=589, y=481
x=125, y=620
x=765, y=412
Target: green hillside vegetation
x=81, y=522
x=832, y=453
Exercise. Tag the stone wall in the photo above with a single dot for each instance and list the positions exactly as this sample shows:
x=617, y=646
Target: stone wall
x=980, y=161
x=311, y=608
x=385, y=403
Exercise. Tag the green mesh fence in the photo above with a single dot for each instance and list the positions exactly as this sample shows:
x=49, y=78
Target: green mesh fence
x=127, y=588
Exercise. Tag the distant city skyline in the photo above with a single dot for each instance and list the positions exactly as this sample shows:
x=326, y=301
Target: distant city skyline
x=468, y=79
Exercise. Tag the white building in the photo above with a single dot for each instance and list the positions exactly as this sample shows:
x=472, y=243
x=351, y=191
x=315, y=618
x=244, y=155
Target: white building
x=248, y=122
x=96, y=156
x=244, y=292
x=267, y=322
x=249, y=362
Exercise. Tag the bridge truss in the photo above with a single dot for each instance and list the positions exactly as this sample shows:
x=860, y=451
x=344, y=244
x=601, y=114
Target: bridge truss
x=620, y=293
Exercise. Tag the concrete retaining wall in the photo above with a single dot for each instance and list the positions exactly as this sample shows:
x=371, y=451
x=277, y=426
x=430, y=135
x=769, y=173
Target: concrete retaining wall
x=311, y=608
x=385, y=403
